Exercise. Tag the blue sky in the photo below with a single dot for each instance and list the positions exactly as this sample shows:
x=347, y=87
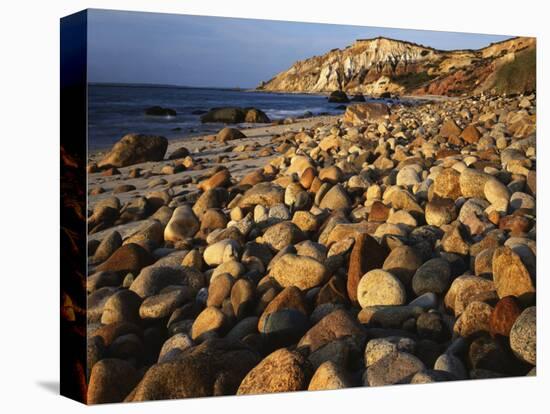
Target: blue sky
x=133, y=47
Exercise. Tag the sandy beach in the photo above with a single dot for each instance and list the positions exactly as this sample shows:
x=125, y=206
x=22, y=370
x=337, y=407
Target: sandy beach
x=206, y=155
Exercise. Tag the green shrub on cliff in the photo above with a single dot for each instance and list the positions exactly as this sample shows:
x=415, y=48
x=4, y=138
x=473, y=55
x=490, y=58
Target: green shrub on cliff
x=412, y=80
x=519, y=75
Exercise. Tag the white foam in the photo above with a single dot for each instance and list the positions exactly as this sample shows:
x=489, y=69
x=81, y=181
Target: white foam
x=291, y=113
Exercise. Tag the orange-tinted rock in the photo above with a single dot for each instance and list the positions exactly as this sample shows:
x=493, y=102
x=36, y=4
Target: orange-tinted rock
x=252, y=178
x=379, y=212
x=485, y=156
x=367, y=254
x=265, y=194
x=129, y=258
x=307, y=177
x=417, y=142
x=511, y=276
x=210, y=320
x=503, y=316
x=227, y=134
x=471, y=134
x=315, y=185
x=454, y=140
x=449, y=128
x=445, y=152
x=134, y=149
x=447, y=184
x=494, y=217
x=345, y=231
x=109, y=172
x=453, y=241
x=281, y=371
x=134, y=173
x=219, y=179
x=96, y=190
x=92, y=168
x=474, y=320
x=466, y=289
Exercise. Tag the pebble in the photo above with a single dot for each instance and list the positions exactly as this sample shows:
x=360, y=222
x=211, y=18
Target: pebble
x=503, y=316
x=153, y=279
x=379, y=348
x=433, y=276
x=395, y=368
x=337, y=324
x=335, y=199
x=174, y=346
x=219, y=252
x=183, y=224
x=111, y=381
x=129, y=258
x=466, y=289
x=209, y=320
x=379, y=287
x=281, y=371
x=219, y=289
x=402, y=262
x=283, y=234
x=451, y=364
x=265, y=194
x=300, y=271
x=511, y=276
x=475, y=319
x=107, y=247
x=328, y=377
x=440, y=211
x=123, y=306
x=162, y=305
x=523, y=336
x=367, y=254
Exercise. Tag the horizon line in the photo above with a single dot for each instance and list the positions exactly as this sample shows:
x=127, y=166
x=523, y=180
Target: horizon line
x=163, y=85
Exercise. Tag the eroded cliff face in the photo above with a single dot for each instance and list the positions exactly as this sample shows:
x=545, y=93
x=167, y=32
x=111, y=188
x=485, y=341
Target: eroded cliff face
x=381, y=65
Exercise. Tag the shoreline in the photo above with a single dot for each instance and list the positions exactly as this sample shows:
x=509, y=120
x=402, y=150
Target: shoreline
x=205, y=153
x=244, y=126
x=250, y=128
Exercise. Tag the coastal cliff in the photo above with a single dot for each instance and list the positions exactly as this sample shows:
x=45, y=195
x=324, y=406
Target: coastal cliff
x=381, y=65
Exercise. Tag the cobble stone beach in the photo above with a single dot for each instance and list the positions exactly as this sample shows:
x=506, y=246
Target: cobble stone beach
x=392, y=244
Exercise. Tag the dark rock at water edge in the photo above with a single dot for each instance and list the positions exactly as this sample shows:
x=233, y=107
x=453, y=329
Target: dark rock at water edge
x=338, y=97
x=235, y=115
x=160, y=111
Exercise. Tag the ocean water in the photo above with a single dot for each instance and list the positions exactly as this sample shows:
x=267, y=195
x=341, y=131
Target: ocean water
x=116, y=110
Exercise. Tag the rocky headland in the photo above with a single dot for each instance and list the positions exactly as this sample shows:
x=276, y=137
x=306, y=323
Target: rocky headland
x=391, y=245
x=382, y=66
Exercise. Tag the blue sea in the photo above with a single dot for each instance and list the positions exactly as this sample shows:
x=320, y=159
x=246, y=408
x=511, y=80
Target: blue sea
x=116, y=110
